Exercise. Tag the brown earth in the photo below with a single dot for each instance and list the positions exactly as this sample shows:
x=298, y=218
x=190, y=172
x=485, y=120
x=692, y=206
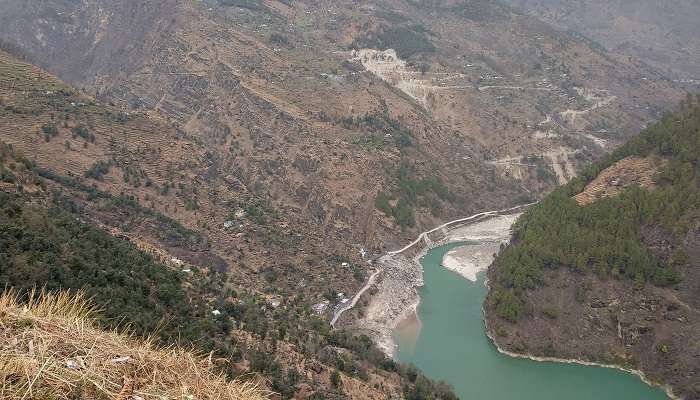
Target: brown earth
x=626, y=172
x=259, y=99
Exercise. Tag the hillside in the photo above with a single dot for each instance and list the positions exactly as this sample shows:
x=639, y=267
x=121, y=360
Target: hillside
x=662, y=34
x=141, y=179
x=288, y=138
x=605, y=269
x=52, y=349
x=62, y=232
x=491, y=105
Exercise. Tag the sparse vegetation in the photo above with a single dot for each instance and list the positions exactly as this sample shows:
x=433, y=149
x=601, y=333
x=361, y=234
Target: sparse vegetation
x=382, y=203
x=411, y=193
x=6, y=175
x=260, y=211
x=84, y=133
x=279, y=39
x=370, y=142
x=248, y=4
x=480, y=10
x=335, y=379
x=50, y=131
x=384, y=127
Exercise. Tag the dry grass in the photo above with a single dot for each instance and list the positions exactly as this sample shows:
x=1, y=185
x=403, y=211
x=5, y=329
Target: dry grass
x=50, y=348
x=626, y=172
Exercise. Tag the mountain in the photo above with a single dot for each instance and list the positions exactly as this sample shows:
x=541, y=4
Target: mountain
x=301, y=118
x=605, y=269
x=81, y=186
x=279, y=147
x=282, y=103
x=664, y=35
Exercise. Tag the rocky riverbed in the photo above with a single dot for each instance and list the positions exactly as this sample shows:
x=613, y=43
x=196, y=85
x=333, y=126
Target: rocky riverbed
x=396, y=292
x=484, y=238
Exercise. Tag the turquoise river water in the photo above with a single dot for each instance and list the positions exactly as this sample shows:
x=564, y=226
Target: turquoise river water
x=451, y=345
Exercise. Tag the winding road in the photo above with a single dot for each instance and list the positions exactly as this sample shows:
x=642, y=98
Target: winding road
x=356, y=298
x=422, y=236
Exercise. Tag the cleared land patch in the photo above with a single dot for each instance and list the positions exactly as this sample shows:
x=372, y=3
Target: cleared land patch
x=626, y=172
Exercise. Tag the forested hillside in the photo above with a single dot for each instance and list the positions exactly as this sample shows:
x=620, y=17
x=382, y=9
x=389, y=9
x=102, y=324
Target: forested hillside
x=606, y=268
x=604, y=237
x=50, y=247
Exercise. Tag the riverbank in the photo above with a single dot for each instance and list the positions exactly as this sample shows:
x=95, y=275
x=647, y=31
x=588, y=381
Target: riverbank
x=452, y=346
x=639, y=374
x=397, y=295
x=485, y=239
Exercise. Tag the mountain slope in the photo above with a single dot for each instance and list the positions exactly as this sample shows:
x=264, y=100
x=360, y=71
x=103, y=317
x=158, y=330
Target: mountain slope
x=46, y=242
x=140, y=178
x=491, y=101
x=605, y=269
x=662, y=34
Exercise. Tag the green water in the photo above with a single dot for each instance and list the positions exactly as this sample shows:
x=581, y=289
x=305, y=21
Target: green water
x=453, y=347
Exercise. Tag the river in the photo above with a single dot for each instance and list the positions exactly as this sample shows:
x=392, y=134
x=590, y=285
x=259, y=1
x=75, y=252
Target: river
x=448, y=342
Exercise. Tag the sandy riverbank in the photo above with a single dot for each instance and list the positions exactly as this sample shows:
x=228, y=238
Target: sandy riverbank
x=469, y=260
x=397, y=296
x=483, y=240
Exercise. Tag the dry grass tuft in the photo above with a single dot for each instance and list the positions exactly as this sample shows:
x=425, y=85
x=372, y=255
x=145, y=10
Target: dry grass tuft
x=51, y=348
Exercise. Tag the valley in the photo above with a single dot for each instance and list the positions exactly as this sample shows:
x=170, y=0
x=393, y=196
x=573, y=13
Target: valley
x=284, y=165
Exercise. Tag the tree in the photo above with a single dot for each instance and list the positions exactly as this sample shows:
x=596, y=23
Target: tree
x=335, y=379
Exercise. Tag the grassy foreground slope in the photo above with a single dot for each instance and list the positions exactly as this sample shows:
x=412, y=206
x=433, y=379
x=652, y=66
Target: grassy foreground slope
x=51, y=348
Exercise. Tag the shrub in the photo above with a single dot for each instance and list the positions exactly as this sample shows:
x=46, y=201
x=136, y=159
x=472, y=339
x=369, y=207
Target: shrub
x=550, y=312
x=84, y=133
x=277, y=38
x=382, y=203
x=98, y=170
x=335, y=379
x=50, y=131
